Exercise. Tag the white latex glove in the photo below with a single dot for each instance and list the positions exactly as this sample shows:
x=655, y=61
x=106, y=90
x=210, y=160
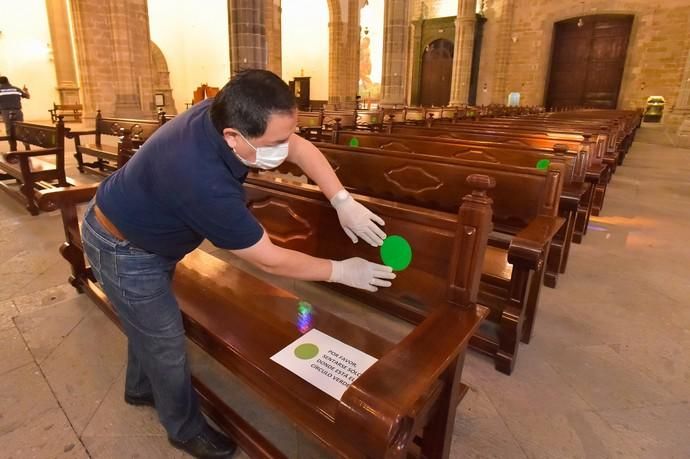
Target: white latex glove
x=357, y=220
x=360, y=273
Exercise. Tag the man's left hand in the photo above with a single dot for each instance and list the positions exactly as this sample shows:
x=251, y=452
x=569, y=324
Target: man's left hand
x=357, y=220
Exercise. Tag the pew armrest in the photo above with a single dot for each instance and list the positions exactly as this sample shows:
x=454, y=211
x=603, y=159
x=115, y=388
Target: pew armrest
x=529, y=246
x=573, y=195
x=58, y=198
x=13, y=156
x=595, y=173
x=72, y=134
x=386, y=397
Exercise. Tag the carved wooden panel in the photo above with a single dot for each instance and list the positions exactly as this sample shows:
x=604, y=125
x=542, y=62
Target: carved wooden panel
x=413, y=179
x=45, y=137
x=395, y=146
x=284, y=224
x=139, y=129
x=475, y=155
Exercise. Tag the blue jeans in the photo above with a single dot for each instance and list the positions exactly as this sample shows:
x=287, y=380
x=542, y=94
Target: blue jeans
x=139, y=284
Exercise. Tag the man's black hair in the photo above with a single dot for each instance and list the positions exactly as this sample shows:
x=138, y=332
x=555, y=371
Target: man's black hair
x=4, y=80
x=248, y=99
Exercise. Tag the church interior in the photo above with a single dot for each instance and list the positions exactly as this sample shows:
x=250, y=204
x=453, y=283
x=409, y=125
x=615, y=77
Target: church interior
x=532, y=156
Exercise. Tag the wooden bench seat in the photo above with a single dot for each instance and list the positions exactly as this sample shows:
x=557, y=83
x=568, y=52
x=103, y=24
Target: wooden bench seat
x=403, y=406
x=24, y=173
x=527, y=218
x=72, y=111
x=107, y=156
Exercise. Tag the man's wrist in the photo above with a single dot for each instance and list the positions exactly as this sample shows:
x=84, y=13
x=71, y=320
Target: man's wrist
x=336, y=268
x=340, y=197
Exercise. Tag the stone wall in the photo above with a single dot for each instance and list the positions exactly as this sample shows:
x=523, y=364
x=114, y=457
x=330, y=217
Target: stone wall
x=518, y=37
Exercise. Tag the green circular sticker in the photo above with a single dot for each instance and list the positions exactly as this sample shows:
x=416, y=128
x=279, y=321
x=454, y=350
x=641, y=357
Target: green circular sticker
x=396, y=253
x=543, y=164
x=306, y=351
x=354, y=142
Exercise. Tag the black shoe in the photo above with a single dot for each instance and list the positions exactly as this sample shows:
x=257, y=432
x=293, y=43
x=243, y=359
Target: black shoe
x=209, y=444
x=140, y=400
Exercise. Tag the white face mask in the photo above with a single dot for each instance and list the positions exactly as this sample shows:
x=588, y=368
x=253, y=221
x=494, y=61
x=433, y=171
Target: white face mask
x=266, y=157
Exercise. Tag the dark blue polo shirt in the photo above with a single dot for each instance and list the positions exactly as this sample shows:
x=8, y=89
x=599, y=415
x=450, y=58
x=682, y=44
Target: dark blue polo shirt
x=184, y=185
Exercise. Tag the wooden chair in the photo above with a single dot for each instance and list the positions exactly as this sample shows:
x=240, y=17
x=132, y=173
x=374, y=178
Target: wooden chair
x=29, y=169
x=72, y=111
x=107, y=155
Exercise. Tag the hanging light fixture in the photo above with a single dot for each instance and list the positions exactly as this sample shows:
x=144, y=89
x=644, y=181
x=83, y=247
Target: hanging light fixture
x=580, y=22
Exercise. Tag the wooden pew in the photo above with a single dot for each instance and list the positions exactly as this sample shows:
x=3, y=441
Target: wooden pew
x=513, y=265
x=310, y=124
x=626, y=122
x=369, y=120
x=576, y=199
x=604, y=160
x=27, y=168
x=107, y=156
x=405, y=404
x=66, y=110
x=595, y=172
x=603, y=134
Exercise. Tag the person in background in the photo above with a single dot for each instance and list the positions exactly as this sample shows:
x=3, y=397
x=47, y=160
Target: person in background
x=11, y=101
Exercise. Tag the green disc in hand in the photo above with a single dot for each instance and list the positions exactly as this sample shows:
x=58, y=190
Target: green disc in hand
x=396, y=253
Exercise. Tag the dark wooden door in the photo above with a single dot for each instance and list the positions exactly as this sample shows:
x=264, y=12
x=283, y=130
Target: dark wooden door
x=437, y=69
x=587, y=61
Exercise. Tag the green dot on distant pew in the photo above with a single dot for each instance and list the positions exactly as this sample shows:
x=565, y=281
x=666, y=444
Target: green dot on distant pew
x=543, y=164
x=354, y=142
x=396, y=253
x=306, y=351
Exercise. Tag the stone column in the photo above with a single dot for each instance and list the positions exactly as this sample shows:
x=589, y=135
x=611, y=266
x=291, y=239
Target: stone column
x=499, y=94
x=273, y=35
x=680, y=114
x=63, y=53
x=462, y=54
x=396, y=27
x=114, y=57
x=343, y=52
x=247, y=35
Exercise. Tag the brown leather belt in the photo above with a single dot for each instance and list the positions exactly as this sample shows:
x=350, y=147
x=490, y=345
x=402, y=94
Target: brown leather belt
x=107, y=224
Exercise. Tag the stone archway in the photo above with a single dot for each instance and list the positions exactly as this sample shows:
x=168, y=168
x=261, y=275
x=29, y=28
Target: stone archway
x=161, y=78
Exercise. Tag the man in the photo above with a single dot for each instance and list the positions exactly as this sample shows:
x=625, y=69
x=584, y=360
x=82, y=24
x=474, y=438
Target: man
x=11, y=101
x=185, y=185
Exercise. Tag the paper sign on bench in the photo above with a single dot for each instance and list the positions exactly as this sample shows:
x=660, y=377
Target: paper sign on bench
x=324, y=362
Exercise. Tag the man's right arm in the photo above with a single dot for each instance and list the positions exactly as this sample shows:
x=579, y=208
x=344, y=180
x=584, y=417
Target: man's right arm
x=355, y=272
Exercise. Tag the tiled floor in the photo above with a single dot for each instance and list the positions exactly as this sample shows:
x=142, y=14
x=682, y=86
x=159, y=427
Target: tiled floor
x=606, y=375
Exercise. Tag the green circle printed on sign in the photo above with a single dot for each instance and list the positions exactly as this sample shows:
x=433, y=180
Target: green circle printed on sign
x=354, y=142
x=543, y=164
x=306, y=351
x=396, y=252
